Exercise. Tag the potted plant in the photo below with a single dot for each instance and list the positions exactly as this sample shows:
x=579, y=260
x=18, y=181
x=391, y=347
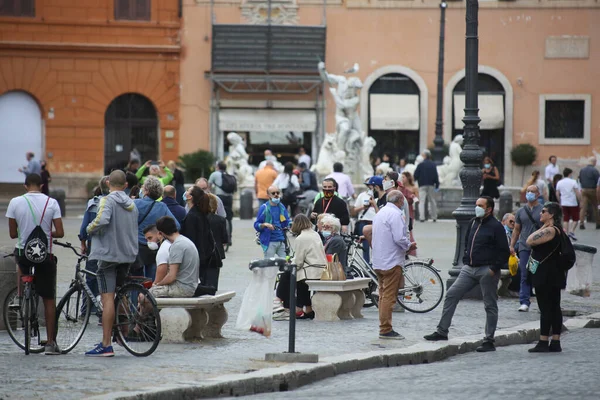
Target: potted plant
x=523, y=155
x=197, y=164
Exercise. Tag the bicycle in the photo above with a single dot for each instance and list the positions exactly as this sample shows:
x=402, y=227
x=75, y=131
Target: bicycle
x=423, y=287
x=138, y=332
x=25, y=317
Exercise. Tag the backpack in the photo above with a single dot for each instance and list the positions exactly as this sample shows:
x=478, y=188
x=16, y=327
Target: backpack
x=228, y=183
x=36, y=249
x=566, y=252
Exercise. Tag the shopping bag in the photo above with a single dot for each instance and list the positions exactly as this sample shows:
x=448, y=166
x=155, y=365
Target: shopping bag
x=579, y=278
x=513, y=264
x=333, y=270
x=256, y=312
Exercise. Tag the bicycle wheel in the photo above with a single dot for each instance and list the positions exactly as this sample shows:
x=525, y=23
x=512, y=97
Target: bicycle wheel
x=423, y=288
x=137, y=320
x=71, y=318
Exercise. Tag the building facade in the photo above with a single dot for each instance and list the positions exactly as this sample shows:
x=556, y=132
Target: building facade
x=538, y=61
x=85, y=83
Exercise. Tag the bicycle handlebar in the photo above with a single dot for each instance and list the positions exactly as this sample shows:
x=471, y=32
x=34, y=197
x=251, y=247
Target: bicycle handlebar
x=69, y=246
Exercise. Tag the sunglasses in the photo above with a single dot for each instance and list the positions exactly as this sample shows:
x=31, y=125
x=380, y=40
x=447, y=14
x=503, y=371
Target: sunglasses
x=275, y=193
x=544, y=211
x=511, y=222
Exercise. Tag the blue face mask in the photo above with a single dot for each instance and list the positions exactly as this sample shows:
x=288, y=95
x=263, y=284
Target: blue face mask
x=325, y=234
x=184, y=197
x=487, y=165
x=530, y=197
x=275, y=200
x=141, y=194
x=507, y=229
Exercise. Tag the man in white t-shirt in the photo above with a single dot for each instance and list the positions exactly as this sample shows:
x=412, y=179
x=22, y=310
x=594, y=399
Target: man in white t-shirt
x=24, y=213
x=568, y=195
x=157, y=242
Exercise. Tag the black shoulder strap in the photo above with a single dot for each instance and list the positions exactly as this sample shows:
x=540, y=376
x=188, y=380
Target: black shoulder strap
x=537, y=226
x=147, y=212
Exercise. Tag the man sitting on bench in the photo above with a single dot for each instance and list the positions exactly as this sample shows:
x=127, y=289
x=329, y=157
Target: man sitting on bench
x=181, y=279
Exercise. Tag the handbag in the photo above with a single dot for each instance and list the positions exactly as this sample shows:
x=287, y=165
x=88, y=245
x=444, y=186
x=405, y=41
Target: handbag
x=533, y=264
x=333, y=269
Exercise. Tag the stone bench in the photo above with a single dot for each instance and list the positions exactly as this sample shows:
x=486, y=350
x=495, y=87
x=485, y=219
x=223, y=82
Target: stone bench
x=192, y=318
x=336, y=300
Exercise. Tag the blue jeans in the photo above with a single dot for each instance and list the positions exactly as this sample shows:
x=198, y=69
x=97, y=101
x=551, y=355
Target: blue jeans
x=275, y=249
x=525, y=290
x=360, y=225
x=150, y=271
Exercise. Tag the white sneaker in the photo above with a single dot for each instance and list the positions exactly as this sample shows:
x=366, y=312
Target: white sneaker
x=524, y=308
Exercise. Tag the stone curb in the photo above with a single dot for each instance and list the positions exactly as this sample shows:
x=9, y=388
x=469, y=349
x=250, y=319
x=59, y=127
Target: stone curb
x=293, y=376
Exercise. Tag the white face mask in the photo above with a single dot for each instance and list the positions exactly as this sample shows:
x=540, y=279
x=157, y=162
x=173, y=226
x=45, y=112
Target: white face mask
x=370, y=193
x=152, y=246
x=479, y=212
x=388, y=185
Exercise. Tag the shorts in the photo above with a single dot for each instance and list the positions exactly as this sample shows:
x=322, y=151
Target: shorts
x=111, y=275
x=570, y=213
x=45, y=275
x=173, y=290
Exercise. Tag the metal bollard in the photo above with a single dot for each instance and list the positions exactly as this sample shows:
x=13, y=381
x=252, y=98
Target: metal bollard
x=505, y=204
x=246, y=200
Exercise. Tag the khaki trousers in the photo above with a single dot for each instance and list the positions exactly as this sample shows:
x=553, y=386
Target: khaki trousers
x=588, y=196
x=389, y=282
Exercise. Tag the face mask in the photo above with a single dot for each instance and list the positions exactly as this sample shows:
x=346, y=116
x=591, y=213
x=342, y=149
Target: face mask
x=326, y=234
x=479, y=212
x=507, y=229
x=184, y=197
x=487, y=165
x=275, y=200
x=370, y=193
x=530, y=197
x=142, y=195
x=328, y=193
x=153, y=246
x=388, y=185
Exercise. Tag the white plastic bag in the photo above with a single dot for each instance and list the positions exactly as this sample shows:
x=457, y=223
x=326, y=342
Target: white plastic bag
x=256, y=312
x=579, y=279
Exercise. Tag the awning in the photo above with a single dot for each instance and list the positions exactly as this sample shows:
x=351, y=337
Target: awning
x=394, y=112
x=245, y=120
x=491, y=111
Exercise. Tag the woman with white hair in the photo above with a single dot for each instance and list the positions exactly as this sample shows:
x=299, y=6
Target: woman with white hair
x=333, y=242
x=149, y=211
x=155, y=170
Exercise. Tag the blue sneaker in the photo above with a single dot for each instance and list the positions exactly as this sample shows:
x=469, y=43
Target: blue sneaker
x=101, y=351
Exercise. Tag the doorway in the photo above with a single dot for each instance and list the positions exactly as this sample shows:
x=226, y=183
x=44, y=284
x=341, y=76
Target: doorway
x=131, y=131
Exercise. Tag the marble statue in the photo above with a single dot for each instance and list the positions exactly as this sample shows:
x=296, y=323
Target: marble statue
x=349, y=135
x=448, y=172
x=368, y=146
x=327, y=155
x=237, y=160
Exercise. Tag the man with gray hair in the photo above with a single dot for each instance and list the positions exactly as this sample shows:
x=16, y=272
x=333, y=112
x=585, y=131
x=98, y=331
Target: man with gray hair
x=390, y=246
x=588, y=179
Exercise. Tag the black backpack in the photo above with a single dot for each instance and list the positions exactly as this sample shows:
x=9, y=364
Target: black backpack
x=36, y=249
x=566, y=252
x=228, y=183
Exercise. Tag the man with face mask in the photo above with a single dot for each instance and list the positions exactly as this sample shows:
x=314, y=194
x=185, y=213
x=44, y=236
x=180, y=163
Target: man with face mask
x=486, y=251
x=157, y=243
x=527, y=221
x=272, y=218
x=331, y=204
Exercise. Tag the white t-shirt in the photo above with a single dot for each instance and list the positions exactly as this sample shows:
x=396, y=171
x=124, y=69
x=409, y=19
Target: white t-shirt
x=162, y=256
x=360, y=201
x=304, y=158
x=551, y=170
x=19, y=210
x=567, y=188
x=283, y=181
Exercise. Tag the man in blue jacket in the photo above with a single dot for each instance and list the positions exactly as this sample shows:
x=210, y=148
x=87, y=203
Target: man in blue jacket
x=486, y=251
x=427, y=177
x=272, y=218
x=169, y=198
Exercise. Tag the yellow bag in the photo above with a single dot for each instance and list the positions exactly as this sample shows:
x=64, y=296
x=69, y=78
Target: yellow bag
x=513, y=264
x=333, y=270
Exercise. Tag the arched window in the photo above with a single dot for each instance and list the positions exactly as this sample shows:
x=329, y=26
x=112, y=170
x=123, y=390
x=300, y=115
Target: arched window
x=131, y=131
x=133, y=10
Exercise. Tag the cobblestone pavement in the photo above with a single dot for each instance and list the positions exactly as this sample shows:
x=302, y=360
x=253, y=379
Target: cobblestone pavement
x=509, y=373
x=74, y=376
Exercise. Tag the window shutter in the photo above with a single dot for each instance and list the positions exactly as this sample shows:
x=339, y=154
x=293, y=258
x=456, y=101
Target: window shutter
x=142, y=10
x=134, y=10
x=122, y=9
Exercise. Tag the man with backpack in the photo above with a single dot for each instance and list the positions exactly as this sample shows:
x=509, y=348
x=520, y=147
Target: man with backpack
x=272, y=218
x=30, y=220
x=527, y=221
x=225, y=185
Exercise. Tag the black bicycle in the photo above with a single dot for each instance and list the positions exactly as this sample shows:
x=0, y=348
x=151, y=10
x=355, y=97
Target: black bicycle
x=22, y=322
x=137, y=326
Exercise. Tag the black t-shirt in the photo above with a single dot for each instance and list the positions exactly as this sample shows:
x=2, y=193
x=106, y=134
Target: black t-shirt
x=382, y=201
x=335, y=206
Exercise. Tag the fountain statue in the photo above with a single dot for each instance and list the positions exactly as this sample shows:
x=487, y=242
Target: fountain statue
x=448, y=172
x=237, y=160
x=349, y=137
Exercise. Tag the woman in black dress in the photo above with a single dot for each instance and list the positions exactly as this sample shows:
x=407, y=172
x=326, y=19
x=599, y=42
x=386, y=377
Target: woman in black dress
x=491, y=179
x=548, y=278
x=196, y=227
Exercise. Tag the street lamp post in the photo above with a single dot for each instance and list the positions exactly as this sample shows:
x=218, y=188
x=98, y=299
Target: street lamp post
x=471, y=155
x=438, y=142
